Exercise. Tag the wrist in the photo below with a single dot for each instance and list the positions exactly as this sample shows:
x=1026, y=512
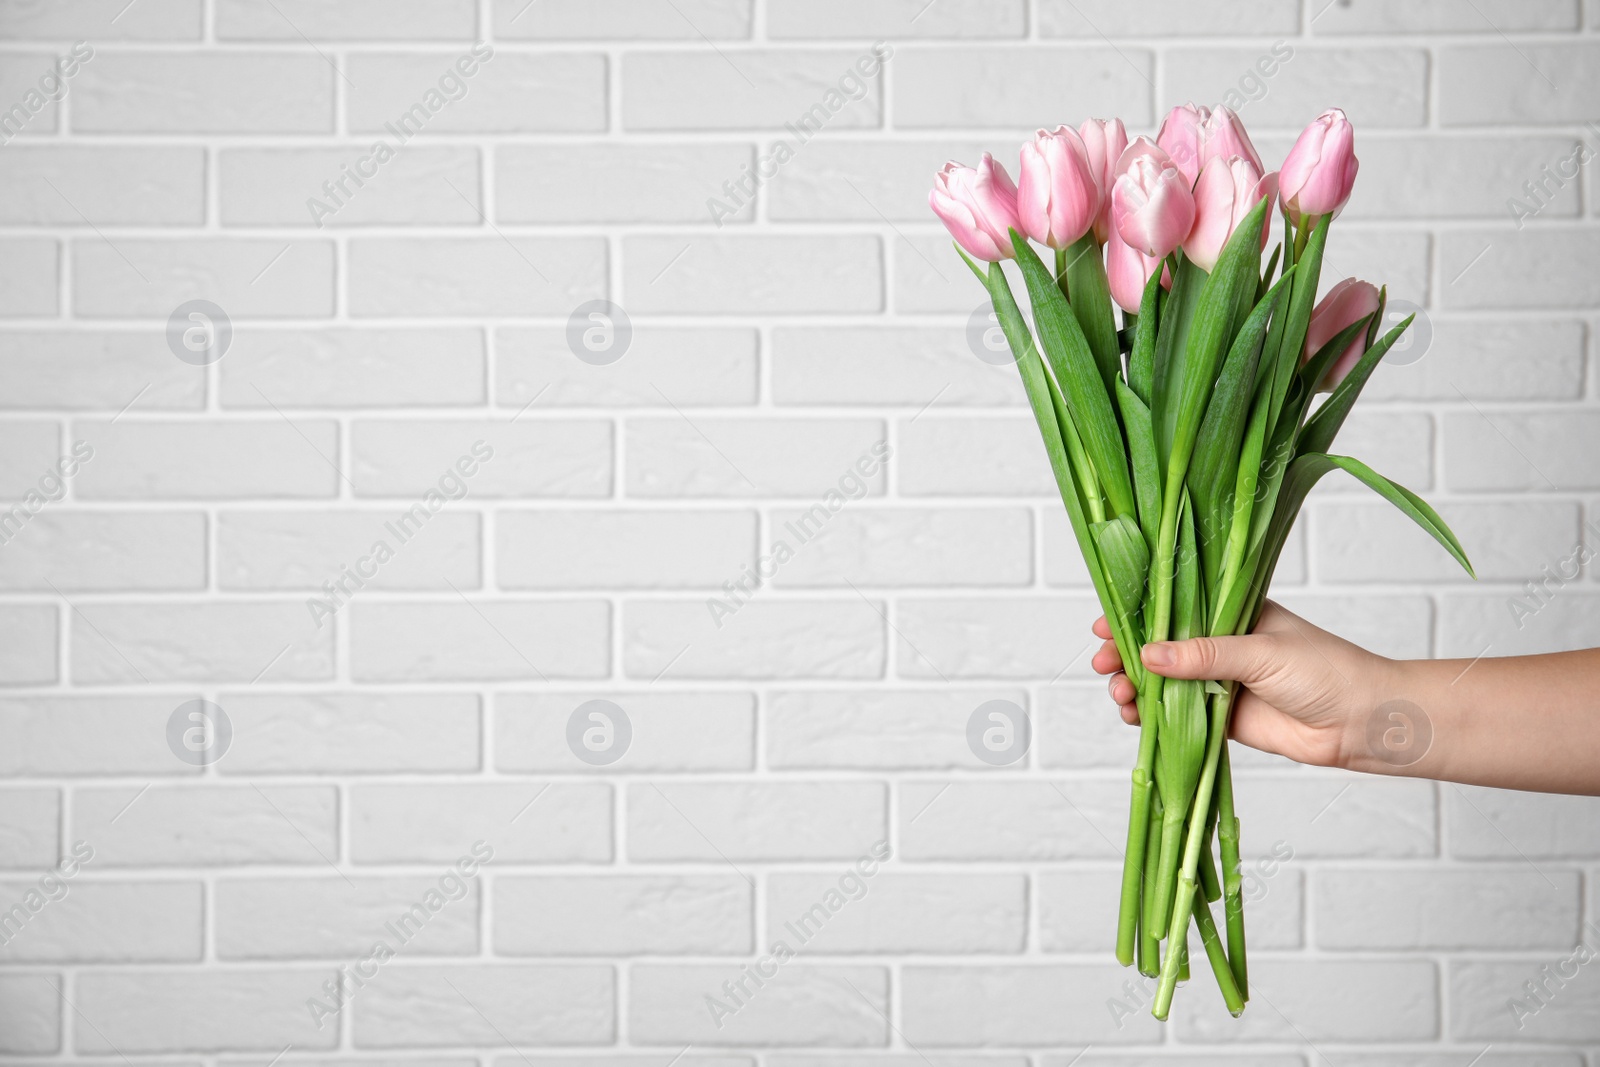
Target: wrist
x=1391, y=728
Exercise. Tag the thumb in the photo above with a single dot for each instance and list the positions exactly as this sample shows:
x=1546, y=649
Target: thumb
x=1246, y=659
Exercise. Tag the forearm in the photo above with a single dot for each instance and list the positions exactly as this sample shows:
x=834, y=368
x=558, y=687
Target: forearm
x=1518, y=722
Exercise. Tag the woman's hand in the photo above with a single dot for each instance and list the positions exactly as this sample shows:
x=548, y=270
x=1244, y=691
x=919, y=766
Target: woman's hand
x=1307, y=694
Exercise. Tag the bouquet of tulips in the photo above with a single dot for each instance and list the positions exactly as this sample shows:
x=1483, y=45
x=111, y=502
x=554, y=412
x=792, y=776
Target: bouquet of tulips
x=1183, y=442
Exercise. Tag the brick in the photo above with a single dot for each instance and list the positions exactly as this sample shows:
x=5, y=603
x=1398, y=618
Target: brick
x=1078, y=908
x=931, y=547
x=899, y=19
x=1005, y=821
x=864, y=181
x=290, y=186
x=1337, y=817
x=893, y=1059
x=31, y=450
x=1398, y=176
x=1089, y=18
x=1354, y=1001
x=1018, y=1005
x=612, y=915
x=624, y=19
x=528, y=822
x=890, y=913
x=887, y=365
x=1517, y=622
x=28, y=277
x=1097, y=80
x=351, y=733
x=506, y=93
x=237, y=641
x=248, y=278
x=1399, y=261
x=302, y=550
x=1504, y=825
x=706, y=366
x=1380, y=87
x=993, y=637
x=176, y=92
x=837, y=638
x=1490, y=998
x=622, y=182
x=1487, y=360
x=623, y=548
x=1509, y=82
x=680, y=455
x=185, y=1010
x=668, y=732
x=26, y=84
x=323, y=917
x=70, y=736
x=1076, y=725
x=191, y=825
x=487, y=1004
x=102, y=551
x=101, y=20
x=829, y=1006
x=751, y=274
x=797, y=91
x=938, y=455
x=755, y=821
x=1399, y=627
x=531, y=457
x=28, y=649
x=478, y=276
x=1063, y=559
x=1519, y=449
x=107, y=922
x=1506, y=542
x=196, y=460
x=29, y=822
x=1472, y=908
x=296, y=20
x=96, y=369
x=929, y=276
x=1440, y=16
x=154, y=187
x=904, y=729
x=476, y=640
x=30, y=1012
x=1491, y=268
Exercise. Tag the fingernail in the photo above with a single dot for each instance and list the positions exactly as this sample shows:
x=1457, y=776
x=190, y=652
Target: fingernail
x=1158, y=655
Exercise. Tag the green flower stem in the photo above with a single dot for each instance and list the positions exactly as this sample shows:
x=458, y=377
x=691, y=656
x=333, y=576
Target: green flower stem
x=1232, y=880
x=1143, y=835
x=1220, y=964
x=1210, y=884
x=1183, y=899
x=1149, y=940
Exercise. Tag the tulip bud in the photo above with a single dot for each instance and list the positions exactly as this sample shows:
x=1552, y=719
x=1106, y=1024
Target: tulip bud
x=1181, y=136
x=1222, y=135
x=1104, y=140
x=1345, y=303
x=1320, y=170
x=1224, y=195
x=978, y=207
x=1152, y=207
x=1057, y=195
x=1127, y=272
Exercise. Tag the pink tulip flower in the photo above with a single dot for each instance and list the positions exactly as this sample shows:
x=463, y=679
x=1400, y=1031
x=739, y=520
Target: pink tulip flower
x=1226, y=192
x=1222, y=135
x=1320, y=170
x=1345, y=303
x=1127, y=272
x=1152, y=206
x=1057, y=194
x=978, y=207
x=1181, y=137
x=1104, y=140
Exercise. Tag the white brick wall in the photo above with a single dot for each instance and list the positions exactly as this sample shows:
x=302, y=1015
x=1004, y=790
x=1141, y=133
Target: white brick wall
x=429, y=704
